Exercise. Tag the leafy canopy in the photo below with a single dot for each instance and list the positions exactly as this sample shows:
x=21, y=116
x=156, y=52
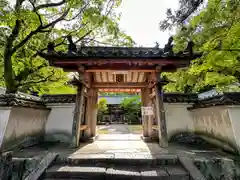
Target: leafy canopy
x=27, y=26
x=131, y=107
x=215, y=30
x=102, y=105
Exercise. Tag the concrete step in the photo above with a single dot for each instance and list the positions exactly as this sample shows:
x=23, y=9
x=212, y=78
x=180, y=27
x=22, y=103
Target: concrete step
x=126, y=159
x=116, y=173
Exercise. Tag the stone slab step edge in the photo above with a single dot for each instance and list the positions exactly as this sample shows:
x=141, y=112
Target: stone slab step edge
x=42, y=166
x=60, y=172
x=119, y=159
x=189, y=165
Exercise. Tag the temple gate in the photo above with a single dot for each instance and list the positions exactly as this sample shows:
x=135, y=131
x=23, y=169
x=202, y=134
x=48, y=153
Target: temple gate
x=118, y=69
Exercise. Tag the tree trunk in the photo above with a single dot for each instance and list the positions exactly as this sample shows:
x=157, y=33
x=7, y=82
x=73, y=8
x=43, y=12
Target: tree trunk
x=8, y=72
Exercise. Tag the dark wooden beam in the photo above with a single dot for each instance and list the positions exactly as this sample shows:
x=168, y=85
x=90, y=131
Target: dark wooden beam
x=116, y=69
x=119, y=85
x=120, y=67
x=120, y=90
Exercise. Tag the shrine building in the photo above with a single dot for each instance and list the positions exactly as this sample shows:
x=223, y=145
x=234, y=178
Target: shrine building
x=122, y=69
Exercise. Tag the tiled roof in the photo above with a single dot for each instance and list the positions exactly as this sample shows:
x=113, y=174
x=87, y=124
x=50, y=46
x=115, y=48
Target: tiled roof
x=122, y=52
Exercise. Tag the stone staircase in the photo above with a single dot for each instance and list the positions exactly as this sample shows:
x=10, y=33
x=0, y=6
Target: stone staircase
x=117, y=166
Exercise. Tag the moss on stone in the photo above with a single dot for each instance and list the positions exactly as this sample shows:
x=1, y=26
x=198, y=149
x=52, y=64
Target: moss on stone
x=210, y=139
x=22, y=141
x=58, y=136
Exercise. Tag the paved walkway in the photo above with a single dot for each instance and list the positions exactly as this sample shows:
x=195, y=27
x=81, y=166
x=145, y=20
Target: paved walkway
x=115, y=128
x=118, y=143
x=121, y=142
x=118, y=139
x=120, y=129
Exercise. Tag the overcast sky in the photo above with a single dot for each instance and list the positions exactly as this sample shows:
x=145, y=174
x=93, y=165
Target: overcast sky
x=140, y=19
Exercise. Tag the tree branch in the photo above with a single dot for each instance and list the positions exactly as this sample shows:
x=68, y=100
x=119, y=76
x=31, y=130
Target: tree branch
x=44, y=79
x=39, y=29
x=85, y=35
x=90, y=31
x=50, y=5
x=27, y=71
x=80, y=12
x=34, y=10
x=57, y=20
x=18, y=4
x=104, y=43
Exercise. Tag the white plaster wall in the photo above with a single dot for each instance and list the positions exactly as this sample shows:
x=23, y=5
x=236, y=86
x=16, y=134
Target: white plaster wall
x=215, y=125
x=213, y=120
x=59, y=123
x=178, y=118
x=22, y=124
x=234, y=113
x=4, y=117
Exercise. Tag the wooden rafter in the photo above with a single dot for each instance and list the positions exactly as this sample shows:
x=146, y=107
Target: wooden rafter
x=120, y=68
x=120, y=90
x=101, y=76
x=120, y=85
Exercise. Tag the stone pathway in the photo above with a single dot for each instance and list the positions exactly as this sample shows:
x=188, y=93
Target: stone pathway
x=122, y=150
x=119, y=129
x=105, y=145
x=122, y=155
x=115, y=143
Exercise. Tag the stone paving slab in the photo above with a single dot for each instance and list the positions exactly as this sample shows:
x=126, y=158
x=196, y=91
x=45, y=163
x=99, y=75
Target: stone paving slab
x=42, y=166
x=177, y=173
x=90, y=156
x=154, y=174
x=189, y=165
x=145, y=159
x=118, y=173
x=127, y=173
x=77, y=159
x=135, y=159
x=119, y=137
x=76, y=172
x=134, y=156
x=166, y=159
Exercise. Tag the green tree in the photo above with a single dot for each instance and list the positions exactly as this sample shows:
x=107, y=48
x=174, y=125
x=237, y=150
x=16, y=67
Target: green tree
x=131, y=107
x=181, y=15
x=29, y=25
x=215, y=31
x=102, y=108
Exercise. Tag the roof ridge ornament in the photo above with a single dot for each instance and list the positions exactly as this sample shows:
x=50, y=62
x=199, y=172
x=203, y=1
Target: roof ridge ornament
x=72, y=48
x=168, y=48
x=156, y=45
x=50, y=48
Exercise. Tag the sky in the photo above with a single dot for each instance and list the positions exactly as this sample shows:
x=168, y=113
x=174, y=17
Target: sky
x=140, y=19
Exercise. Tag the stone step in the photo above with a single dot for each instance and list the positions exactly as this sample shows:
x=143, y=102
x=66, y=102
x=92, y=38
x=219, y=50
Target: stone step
x=71, y=172
x=129, y=159
x=116, y=173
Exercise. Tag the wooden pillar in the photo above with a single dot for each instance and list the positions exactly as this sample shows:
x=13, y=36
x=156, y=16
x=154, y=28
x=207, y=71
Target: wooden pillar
x=77, y=115
x=161, y=117
x=144, y=97
x=89, y=115
x=150, y=118
x=94, y=113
